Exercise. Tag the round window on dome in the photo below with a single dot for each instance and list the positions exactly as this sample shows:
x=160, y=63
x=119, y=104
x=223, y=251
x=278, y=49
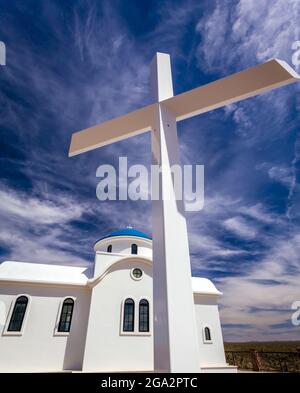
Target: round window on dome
x=136, y=273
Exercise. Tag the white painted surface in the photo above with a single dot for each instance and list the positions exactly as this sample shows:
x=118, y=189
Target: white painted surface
x=106, y=348
x=207, y=314
x=204, y=286
x=122, y=245
x=175, y=335
x=161, y=77
x=40, y=272
x=38, y=349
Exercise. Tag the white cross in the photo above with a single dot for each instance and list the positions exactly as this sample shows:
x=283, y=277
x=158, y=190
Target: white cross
x=175, y=331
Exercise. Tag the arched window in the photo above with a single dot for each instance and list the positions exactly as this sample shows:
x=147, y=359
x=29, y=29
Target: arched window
x=109, y=248
x=134, y=249
x=66, y=316
x=144, y=316
x=207, y=335
x=18, y=314
x=128, y=316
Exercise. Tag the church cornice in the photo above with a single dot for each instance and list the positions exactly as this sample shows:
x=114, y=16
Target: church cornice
x=89, y=283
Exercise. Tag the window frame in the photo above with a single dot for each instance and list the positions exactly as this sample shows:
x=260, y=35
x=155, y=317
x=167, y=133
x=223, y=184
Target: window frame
x=136, y=331
x=148, y=304
x=204, y=336
x=109, y=248
x=125, y=332
x=137, y=249
x=136, y=278
x=56, y=331
x=5, y=331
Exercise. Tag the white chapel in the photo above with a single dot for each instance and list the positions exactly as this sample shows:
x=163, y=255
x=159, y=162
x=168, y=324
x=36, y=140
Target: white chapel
x=64, y=318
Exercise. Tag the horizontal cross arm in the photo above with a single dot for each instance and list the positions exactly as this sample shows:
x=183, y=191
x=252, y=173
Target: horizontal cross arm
x=132, y=124
x=233, y=88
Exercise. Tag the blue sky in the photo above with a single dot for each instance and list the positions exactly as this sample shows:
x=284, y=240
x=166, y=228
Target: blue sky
x=74, y=64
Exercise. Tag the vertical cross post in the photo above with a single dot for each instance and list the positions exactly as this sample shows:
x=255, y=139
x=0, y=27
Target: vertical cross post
x=175, y=336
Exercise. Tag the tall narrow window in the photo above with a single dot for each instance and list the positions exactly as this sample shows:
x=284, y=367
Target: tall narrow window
x=144, y=316
x=128, y=317
x=109, y=248
x=207, y=334
x=18, y=314
x=134, y=249
x=66, y=316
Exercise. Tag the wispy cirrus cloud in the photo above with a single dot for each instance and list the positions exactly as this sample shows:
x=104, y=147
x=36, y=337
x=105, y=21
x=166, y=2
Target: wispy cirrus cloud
x=37, y=211
x=37, y=229
x=247, y=33
x=239, y=227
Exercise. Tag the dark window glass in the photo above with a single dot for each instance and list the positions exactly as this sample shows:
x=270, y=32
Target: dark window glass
x=109, y=248
x=66, y=316
x=137, y=273
x=144, y=316
x=134, y=249
x=207, y=334
x=18, y=314
x=128, y=318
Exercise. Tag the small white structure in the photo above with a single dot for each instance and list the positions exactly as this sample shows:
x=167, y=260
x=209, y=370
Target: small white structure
x=55, y=318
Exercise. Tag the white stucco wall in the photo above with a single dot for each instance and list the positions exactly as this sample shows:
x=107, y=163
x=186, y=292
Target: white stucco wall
x=107, y=349
x=122, y=245
x=207, y=314
x=38, y=349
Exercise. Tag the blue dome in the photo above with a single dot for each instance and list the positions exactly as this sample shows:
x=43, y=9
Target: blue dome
x=128, y=232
